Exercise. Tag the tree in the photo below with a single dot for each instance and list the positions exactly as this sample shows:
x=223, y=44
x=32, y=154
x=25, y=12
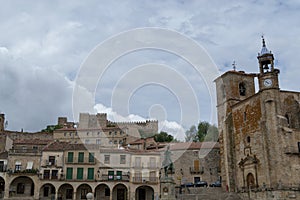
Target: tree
x=191, y=134
x=163, y=137
x=204, y=132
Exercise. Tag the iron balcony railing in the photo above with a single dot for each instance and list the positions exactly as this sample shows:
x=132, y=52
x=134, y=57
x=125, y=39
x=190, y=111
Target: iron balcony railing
x=106, y=177
x=149, y=180
x=76, y=160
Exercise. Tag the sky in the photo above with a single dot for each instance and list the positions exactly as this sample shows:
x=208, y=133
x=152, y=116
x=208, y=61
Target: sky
x=45, y=48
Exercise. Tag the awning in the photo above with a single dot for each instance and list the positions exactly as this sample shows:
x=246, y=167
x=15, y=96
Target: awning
x=29, y=165
x=18, y=162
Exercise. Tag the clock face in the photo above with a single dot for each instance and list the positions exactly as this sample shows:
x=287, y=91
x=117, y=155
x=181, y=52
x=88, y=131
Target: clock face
x=268, y=82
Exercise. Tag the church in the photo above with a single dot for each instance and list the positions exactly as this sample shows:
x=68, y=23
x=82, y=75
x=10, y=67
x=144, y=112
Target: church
x=259, y=132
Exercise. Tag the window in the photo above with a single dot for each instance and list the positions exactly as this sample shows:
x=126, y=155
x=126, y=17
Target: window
x=196, y=165
x=87, y=141
x=46, y=174
x=90, y=175
x=79, y=173
x=110, y=141
x=115, y=132
x=69, y=173
x=122, y=159
x=119, y=175
x=99, y=133
x=116, y=142
x=54, y=174
x=18, y=167
x=70, y=134
x=110, y=175
x=51, y=160
x=299, y=147
x=98, y=141
x=245, y=116
x=109, y=132
x=248, y=139
x=138, y=162
x=87, y=133
x=20, y=188
x=91, y=157
x=81, y=157
x=287, y=119
x=152, y=162
x=65, y=134
x=35, y=147
x=70, y=157
x=242, y=89
x=106, y=159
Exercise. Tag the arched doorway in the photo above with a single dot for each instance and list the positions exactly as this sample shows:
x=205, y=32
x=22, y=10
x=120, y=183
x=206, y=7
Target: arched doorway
x=65, y=192
x=119, y=192
x=102, y=192
x=2, y=187
x=21, y=186
x=144, y=193
x=250, y=180
x=47, y=192
x=82, y=191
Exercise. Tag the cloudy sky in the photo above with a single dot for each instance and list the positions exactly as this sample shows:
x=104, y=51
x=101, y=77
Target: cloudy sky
x=44, y=46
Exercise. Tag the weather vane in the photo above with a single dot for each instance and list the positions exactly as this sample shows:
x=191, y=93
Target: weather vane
x=234, y=65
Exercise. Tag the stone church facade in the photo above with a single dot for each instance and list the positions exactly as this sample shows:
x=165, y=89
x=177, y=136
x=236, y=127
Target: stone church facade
x=259, y=133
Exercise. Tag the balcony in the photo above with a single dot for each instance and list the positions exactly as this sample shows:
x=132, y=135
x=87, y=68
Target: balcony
x=148, y=180
x=196, y=170
x=84, y=161
x=28, y=152
x=106, y=177
x=3, y=168
x=51, y=163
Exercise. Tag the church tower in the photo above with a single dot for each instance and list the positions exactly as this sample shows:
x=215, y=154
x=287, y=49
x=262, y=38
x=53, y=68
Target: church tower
x=268, y=75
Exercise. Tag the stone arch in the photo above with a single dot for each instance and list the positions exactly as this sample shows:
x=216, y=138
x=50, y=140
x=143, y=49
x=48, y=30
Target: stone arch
x=242, y=89
x=292, y=112
x=82, y=191
x=47, y=191
x=120, y=192
x=102, y=191
x=22, y=186
x=2, y=187
x=144, y=192
x=65, y=191
x=250, y=180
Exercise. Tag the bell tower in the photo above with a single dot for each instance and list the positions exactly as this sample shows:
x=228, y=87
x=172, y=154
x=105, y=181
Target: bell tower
x=268, y=75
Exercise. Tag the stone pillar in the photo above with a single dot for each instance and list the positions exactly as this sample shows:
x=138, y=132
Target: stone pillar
x=167, y=188
x=56, y=194
x=74, y=195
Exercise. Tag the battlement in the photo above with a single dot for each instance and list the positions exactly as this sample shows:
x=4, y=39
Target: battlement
x=2, y=121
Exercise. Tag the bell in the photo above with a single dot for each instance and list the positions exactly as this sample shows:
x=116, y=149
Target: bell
x=266, y=67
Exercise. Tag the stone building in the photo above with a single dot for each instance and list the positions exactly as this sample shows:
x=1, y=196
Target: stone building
x=259, y=133
x=195, y=161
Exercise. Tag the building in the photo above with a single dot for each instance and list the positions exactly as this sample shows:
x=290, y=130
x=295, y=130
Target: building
x=195, y=161
x=259, y=133
x=97, y=129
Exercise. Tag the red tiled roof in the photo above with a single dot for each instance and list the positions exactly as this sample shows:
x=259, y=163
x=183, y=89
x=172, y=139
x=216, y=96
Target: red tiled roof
x=192, y=145
x=32, y=141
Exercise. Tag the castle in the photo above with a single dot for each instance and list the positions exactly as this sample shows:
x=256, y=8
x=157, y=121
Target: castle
x=259, y=133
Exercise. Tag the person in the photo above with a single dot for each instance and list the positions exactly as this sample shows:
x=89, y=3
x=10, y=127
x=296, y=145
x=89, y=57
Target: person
x=167, y=163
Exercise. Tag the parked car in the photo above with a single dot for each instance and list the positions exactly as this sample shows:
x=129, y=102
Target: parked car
x=215, y=184
x=201, y=184
x=187, y=185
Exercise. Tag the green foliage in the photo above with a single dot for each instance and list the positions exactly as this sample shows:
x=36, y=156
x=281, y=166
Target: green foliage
x=51, y=128
x=163, y=137
x=204, y=132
